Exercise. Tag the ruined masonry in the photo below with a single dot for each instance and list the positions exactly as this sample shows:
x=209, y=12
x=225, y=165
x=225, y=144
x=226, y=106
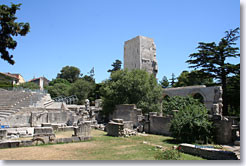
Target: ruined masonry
x=140, y=53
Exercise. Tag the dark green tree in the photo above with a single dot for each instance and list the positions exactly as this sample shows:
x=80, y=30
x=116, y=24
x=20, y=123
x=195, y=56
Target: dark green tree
x=212, y=60
x=233, y=95
x=164, y=82
x=131, y=87
x=173, y=80
x=194, y=77
x=58, y=80
x=69, y=73
x=116, y=66
x=10, y=28
x=81, y=88
x=58, y=89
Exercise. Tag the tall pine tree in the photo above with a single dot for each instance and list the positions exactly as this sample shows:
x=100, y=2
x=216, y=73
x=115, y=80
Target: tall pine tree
x=212, y=58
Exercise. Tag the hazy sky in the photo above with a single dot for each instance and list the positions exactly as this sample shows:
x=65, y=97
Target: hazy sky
x=91, y=33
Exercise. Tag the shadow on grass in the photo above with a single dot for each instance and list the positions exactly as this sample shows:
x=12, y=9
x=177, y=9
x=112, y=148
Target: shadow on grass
x=171, y=141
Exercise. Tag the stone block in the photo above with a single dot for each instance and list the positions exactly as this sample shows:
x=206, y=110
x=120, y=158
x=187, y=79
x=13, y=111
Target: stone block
x=207, y=152
x=128, y=124
x=3, y=134
x=115, y=129
x=84, y=129
x=43, y=130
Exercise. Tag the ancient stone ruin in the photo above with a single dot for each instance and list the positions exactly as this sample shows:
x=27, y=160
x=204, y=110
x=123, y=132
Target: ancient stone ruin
x=140, y=53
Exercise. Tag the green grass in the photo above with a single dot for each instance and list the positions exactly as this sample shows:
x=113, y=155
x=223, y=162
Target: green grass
x=101, y=147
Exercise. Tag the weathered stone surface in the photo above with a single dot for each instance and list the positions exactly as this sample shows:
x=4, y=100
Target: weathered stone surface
x=140, y=53
x=223, y=131
x=43, y=130
x=83, y=129
x=127, y=112
x=3, y=134
x=207, y=153
x=115, y=129
x=159, y=125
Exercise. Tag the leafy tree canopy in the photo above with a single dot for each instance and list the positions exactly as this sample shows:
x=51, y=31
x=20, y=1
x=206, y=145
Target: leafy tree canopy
x=194, y=77
x=131, y=87
x=69, y=73
x=212, y=60
x=10, y=28
x=81, y=88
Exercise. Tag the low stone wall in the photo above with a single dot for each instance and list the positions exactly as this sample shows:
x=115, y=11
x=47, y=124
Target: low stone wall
x=207, y=153
x=159, y=125
x=3, y=134
x=127, y=112
x=25, y=143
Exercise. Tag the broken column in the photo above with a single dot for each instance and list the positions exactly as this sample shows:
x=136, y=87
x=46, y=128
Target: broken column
x=83, y=129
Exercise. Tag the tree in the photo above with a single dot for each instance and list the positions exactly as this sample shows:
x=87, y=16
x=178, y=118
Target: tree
x=194, y=77
x=58, y=80
x=212, y=58
x=81, y=88
x=164, y=82
x=9, y=29
x=173, y=80
x=116, y=66
x=58, y=89
x=69, y=73
x=131, y=87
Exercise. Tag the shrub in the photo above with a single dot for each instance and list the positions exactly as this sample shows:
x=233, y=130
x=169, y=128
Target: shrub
x=191, y=124
x=177, y=103
x=170, y=154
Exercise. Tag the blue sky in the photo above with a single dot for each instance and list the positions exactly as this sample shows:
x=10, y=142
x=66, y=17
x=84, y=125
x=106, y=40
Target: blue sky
x=91, y=33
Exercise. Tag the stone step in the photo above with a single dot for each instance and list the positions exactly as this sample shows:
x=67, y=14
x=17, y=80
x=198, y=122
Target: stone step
x=3, y=116
x=5, y=113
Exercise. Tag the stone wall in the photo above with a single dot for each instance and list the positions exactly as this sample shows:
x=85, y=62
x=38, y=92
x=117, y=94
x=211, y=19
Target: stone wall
x=127, y=112
x=159, y=125
x=212, y=96
x=37, y=116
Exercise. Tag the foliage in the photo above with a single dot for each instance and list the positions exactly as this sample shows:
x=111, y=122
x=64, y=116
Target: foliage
x=177, y=103
x=169, y=154
x=191, y=124
x=10, y=28
x=212, y=58
x=81, y=88
x=164, y=82
x=131, y=87
x=69, y=73
x=172, y=80
x=58, y=89
x=194, y=77
x=116, y=66
x=28, y=85
x=58, y=80
x=233, y=95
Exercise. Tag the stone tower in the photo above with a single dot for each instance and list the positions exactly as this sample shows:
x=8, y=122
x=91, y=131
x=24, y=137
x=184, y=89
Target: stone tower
x=140, y=53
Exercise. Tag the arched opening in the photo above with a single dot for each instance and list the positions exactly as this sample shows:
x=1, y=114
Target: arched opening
x=199, y=97
x=166, y=98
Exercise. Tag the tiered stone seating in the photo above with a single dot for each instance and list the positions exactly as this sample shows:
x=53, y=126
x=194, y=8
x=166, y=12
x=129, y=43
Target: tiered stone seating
x=12, y=101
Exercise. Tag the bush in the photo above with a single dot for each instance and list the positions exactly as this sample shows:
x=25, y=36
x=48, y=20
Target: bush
x=191, y=124
x=170, y=154
x=131, y=87
x=177, y=103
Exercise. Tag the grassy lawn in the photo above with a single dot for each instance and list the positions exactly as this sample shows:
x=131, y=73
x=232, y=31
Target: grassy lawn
x=101, y=147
